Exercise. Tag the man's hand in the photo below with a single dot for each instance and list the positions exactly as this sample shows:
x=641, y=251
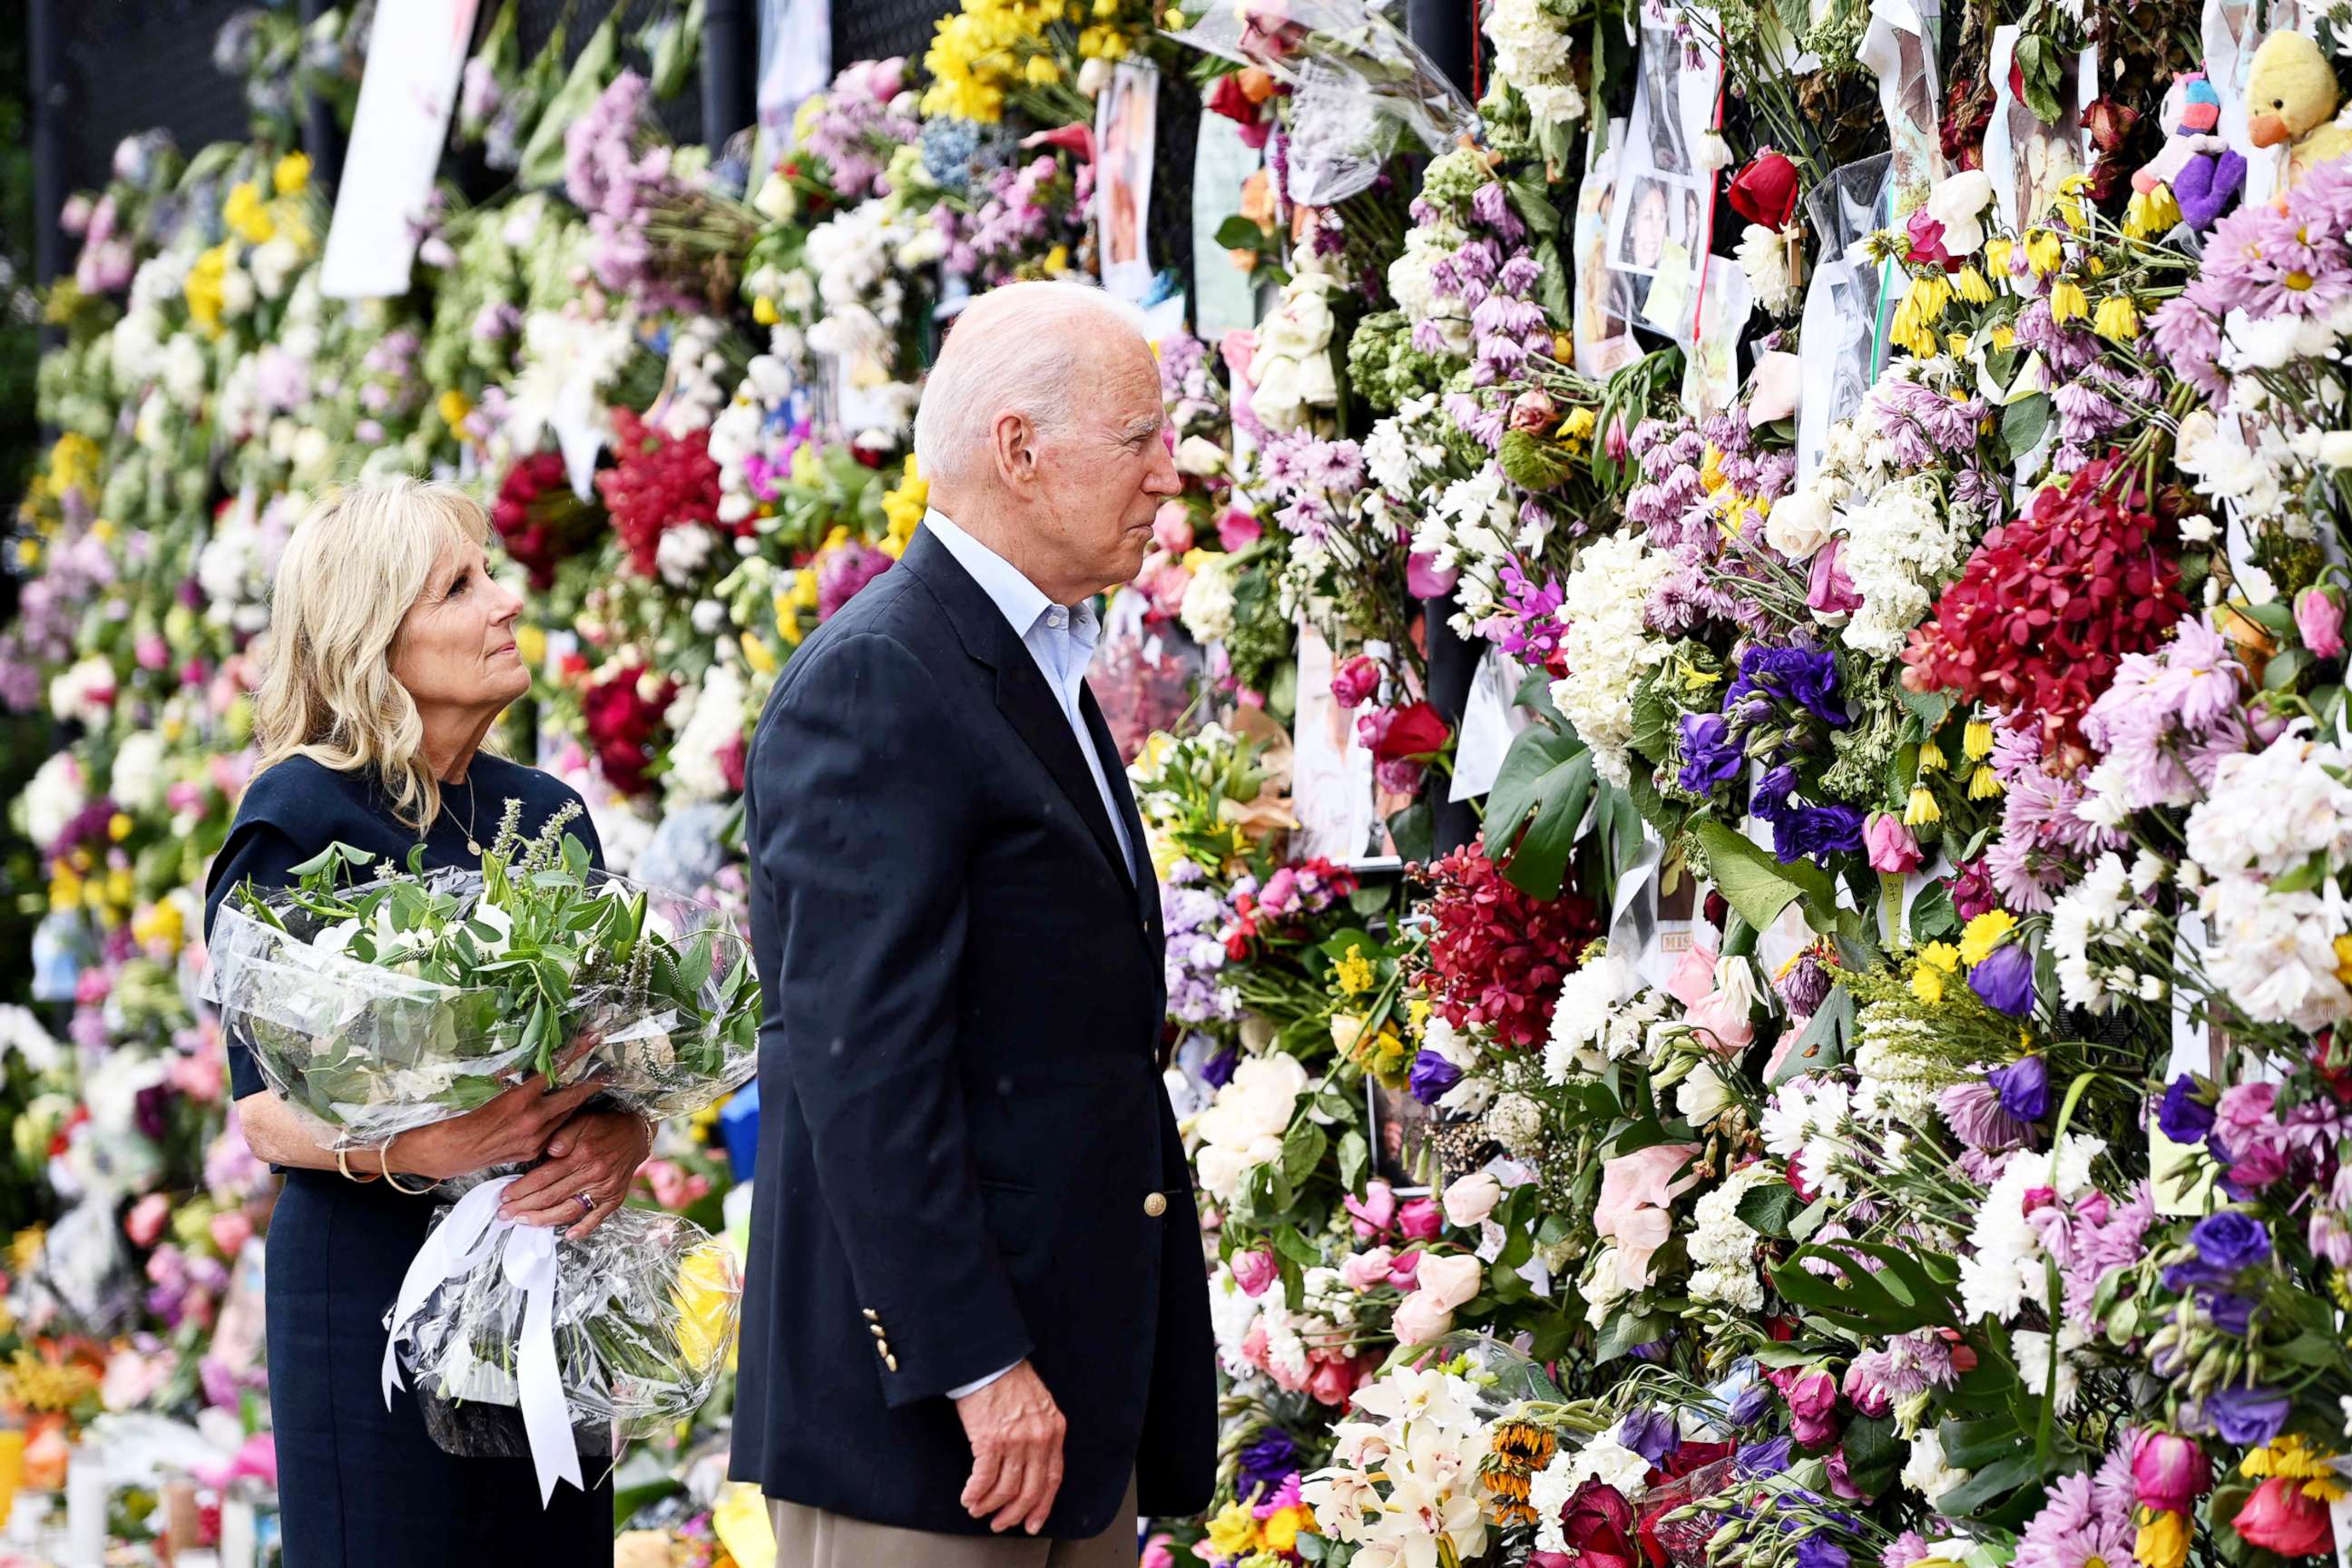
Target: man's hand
x=1016, y=1429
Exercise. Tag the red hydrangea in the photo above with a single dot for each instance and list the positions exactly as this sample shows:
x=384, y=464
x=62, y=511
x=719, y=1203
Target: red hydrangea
x=1497, y=956
x=539, y=518
x=625, y=707
x=658, y=483
x=2050, y=603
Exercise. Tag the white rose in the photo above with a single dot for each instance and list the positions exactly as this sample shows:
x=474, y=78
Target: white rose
x=1958, y=204
x=1702, y=1097
x=1798, y=524
x=1199, y=456
x=1470, y=1200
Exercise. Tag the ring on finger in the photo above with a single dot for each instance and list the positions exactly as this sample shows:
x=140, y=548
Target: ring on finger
x=587, y=1204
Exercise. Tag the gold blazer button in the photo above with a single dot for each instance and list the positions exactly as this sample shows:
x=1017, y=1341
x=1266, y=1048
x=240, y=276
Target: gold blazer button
x=1155, y=1204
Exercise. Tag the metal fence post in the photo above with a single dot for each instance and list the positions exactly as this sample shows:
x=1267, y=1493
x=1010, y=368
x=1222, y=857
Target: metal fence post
x=731, y=62
x=1446, y=31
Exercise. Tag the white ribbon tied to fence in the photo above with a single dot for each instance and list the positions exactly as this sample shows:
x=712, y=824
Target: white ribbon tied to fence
x=473, y=1230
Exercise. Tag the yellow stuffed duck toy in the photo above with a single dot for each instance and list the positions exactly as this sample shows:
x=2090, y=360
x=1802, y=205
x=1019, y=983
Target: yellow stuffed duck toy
x=2290, y=96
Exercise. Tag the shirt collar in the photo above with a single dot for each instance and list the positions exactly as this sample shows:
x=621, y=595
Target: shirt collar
x=1019, y=601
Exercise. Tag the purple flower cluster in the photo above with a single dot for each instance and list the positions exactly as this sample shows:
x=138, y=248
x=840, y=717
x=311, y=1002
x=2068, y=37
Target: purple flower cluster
x=2087, y=1518
x=2268, y=259
x=1689, y=469
x=1028, y=208
x=613, y=169
x=864, y=117
x=2169, y=718
x=1312, y=480
x=2046, y=840
x=1195, y=916
x=1529, y=628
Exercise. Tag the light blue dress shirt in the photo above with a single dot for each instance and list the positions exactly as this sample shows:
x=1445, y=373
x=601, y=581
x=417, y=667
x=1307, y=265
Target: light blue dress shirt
x=1061, y=640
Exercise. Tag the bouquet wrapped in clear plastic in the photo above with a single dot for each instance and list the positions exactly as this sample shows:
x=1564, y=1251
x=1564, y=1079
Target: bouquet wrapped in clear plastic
x=386, y=1004
x=520, y=1339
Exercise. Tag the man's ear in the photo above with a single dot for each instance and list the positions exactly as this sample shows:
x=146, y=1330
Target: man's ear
x=1014, y=442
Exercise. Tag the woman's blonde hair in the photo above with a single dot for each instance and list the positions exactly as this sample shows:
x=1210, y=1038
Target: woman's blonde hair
x=353, y=566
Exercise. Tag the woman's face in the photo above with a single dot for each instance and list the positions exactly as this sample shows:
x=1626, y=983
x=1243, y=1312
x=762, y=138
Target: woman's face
x=456, y=643
x=1650, y=227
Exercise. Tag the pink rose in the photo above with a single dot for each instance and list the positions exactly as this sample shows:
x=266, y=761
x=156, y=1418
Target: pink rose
x=1420, y=1319
x=147, y=1218
x=1693, y=977
x=1356, y=682
x=1812, y=1406
x=1470, y=1200
x=1156, y=1553
x=1253, y=1345
x=1237, y=531
x=2244, y=1113
x=1254, y=1270
x=2168, y=1472
x=1722, y=1018
x=1420, y=1220
x=1375, y=1213
x=1891, y=848
x=231, y=1230
x=1172, y=528
x=1829, y=590
x=1644, y=1178
x=1404, y=1270
x=1365, y=1271
x=1332, y=1382
x=1452, y=1280
x=2320, y=619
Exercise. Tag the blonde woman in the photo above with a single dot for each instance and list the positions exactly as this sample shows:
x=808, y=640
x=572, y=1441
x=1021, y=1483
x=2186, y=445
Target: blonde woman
x=392, y=654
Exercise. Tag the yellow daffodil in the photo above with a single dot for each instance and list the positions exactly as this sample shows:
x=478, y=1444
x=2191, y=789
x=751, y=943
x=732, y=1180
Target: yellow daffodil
x=1983, y=934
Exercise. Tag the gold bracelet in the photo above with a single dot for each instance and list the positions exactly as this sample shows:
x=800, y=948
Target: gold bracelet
x=383, y=1159
x=343, y=1162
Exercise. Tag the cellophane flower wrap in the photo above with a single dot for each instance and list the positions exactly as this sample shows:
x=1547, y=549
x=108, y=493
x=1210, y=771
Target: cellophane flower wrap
x=645, y=1316
x=386, y=1004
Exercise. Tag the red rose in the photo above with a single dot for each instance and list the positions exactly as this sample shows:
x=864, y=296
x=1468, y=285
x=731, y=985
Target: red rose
x=2281, y=1517
x=1766, y=191
x=1414, y=731
x=1598, y=1524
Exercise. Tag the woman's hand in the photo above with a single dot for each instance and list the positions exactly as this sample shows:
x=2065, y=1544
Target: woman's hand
x=507, y=1131
x=594, y=1156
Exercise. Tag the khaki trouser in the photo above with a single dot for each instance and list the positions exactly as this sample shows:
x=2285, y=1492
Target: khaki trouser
x=812, y=1538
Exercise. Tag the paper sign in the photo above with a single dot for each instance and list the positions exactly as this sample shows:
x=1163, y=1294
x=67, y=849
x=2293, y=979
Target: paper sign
x=795, y=64
x=1126, y=127
x=1225, y=297
x=405, y=96
x=1489, y=722
x=1664, y=206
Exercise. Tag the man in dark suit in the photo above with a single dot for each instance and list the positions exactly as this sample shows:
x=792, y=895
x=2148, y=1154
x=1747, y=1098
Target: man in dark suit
x=975, y=1326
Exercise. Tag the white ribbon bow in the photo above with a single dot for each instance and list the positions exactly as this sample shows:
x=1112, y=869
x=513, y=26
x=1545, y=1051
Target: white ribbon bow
x=461, y=1244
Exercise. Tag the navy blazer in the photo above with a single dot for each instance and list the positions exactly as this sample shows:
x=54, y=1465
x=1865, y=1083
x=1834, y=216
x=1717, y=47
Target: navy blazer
x=966, y=1153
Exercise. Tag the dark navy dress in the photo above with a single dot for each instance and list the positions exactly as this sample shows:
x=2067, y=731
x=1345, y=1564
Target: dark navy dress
x=361, y=1486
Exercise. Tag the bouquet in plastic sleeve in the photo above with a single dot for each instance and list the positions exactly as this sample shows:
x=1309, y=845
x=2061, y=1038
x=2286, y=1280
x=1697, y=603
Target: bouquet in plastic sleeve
x=520, y=1339
x=388, y=1004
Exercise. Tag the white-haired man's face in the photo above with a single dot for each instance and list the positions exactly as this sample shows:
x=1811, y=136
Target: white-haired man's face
x=1092, y=485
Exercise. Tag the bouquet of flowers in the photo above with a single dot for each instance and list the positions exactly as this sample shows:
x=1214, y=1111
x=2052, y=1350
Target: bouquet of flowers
x=414, y=997
x=609, y=1337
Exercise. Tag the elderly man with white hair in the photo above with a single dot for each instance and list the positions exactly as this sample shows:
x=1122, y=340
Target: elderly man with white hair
x=976, y=1325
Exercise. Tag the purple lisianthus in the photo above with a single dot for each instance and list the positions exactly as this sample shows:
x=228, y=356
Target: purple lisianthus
x=2231, y=1313
x=1806, y=675
x=1650, y=1433
x=1218, y=1070
x=1432, y=1075
x=2230, y=1241
x=1819, y=1552
x=2023, y=1085
x=2004, y=981
x=1816, y=831
x=1769, y=798
x=2249, y=1418
x=2184, y=1117
x=1711, y=753
x=1266, y=1462
x=1753, y=1401
x=1763, y=1459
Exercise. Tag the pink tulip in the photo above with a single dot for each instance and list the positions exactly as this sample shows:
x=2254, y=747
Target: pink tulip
x=2168, y=1472
x=1813, y=1405
x=1420, y=1319
x=2320, y=619
x=1891, y=848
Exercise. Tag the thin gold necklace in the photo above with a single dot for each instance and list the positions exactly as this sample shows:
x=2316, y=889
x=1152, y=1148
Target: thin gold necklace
x=472, y=847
